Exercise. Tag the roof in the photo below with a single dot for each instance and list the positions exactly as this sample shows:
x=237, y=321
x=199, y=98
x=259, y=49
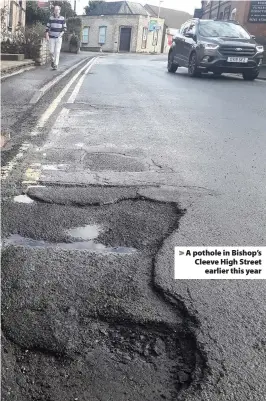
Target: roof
x=173, y=18
x=118, y=7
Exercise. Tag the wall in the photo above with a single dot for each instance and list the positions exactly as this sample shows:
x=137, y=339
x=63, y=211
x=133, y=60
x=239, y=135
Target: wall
x=42, y=53
x=113, y=24
x=16, y=13
x=150, y=47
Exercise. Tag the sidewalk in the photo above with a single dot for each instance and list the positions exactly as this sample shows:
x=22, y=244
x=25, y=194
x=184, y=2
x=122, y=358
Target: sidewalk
x=21, y=91
x=11, y=66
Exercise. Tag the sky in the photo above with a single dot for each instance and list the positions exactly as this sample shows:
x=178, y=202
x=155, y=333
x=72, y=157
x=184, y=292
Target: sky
x=182, y=5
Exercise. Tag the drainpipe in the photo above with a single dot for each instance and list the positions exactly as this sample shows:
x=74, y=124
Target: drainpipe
x=218, y=12
x=210, y=10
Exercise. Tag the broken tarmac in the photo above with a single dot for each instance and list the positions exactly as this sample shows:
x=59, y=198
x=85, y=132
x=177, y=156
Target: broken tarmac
x=93, y=208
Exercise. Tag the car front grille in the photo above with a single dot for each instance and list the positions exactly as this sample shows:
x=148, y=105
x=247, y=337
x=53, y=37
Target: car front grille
x=230, y=51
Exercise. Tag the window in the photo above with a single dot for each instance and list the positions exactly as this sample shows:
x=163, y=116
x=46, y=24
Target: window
x=85, y=34
x=192, y=28
x=216, y=29
x=155, y=38
x=10, y=20
x=227, y=12
x=233, y=14
x=102, y=35
x=144, y=38
x=185, y=27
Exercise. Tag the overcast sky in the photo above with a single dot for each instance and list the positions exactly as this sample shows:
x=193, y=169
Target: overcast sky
x=183, y=5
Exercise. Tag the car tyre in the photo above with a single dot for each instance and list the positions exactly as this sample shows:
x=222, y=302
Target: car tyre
x=193, y=70
x=171, y=67
x=250, y=76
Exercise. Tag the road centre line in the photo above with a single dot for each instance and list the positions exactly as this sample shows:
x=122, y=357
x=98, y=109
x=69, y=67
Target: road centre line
x=79, y=84
x=50, y=110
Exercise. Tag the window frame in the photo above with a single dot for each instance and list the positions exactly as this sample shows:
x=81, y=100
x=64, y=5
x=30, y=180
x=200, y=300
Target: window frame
x=184, y=27
x=155, y=38
x=99, y=35
x=88, y=28
x=144, y=41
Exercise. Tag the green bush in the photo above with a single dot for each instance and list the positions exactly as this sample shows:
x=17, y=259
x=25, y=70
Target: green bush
x=74, y=26
x=24, y=41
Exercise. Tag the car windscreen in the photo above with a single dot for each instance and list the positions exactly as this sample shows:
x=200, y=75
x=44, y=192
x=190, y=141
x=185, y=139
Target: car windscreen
x=215, y=29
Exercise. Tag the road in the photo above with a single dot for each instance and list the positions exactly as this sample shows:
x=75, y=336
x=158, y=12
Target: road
x=124, y=163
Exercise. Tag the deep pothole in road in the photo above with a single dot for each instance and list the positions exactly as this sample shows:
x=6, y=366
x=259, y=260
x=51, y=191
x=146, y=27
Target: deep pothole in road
x=92, y=326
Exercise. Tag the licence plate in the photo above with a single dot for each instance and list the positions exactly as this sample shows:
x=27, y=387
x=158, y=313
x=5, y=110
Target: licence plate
x=237, y=59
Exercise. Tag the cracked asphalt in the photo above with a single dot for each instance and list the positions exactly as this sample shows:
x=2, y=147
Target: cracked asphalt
x=138, y=162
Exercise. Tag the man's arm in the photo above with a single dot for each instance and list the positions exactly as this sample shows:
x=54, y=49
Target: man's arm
x=64, y=28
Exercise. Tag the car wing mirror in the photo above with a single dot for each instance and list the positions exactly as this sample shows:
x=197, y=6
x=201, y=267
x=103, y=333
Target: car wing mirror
x=190, y=35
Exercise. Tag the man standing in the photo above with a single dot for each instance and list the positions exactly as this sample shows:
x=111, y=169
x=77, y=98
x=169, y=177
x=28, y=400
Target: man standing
x=54, y=31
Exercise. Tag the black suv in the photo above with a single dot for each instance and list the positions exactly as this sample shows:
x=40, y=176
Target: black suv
x=216, y=46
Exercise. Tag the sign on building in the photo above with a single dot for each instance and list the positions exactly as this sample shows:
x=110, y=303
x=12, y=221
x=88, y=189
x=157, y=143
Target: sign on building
x=153, y=26
x=44, y=4
x=257, y=12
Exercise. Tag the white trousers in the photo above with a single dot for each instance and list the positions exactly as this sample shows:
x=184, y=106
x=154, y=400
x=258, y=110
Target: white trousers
x=55, y=48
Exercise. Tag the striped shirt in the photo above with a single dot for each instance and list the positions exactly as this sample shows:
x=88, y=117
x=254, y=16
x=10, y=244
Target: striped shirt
x=56, y=26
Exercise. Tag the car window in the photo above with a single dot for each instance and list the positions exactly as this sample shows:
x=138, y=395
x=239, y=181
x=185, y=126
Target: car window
x=192, y=28
x=184, y=28
x=215, y=29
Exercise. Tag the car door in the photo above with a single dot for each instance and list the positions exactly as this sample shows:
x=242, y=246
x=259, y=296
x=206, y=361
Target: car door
x=189, y=41
x=179, y=45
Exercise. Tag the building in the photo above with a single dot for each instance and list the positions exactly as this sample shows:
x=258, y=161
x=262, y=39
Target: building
x=14, y=14
x=174, y=19
x=121, y=26
x=250, y=14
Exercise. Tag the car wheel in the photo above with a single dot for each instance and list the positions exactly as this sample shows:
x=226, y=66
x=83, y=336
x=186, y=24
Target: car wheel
x=250, y=76
x=172, y=66
x=193, y=67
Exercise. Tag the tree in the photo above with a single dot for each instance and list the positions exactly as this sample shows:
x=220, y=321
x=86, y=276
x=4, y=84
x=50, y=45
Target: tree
x=36, y=14
x=66, y=8
x=92, y=5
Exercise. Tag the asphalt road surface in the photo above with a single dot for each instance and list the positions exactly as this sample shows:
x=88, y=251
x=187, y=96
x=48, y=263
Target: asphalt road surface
x=113, y=168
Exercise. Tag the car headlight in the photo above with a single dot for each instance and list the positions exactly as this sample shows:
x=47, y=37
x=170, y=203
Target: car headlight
x=260, y=49
x=210, y=46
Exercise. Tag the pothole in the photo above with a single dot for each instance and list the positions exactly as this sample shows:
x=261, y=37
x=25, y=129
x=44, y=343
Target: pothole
x=23, y=199
x=88, y=325
x=113, y=162
x=90, y=245
x=138, y=224
x=119, y=363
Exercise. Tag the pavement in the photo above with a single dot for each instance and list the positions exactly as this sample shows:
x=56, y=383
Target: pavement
x=124, y=163
x=11, y=66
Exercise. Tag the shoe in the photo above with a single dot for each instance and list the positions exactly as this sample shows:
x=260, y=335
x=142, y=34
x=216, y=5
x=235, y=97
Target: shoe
x=52, y=65
x=55, y=67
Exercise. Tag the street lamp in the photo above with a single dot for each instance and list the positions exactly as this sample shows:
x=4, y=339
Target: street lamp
x=160, y=2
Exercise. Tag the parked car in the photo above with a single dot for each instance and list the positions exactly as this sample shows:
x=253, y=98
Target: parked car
x=215, y=46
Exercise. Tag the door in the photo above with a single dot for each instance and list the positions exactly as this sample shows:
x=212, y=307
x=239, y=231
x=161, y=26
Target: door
x=179, y=42
x=125, y=39
x=189, y=42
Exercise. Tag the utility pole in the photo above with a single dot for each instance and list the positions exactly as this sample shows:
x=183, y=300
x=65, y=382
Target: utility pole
x=159, y=11
x=75, y=5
